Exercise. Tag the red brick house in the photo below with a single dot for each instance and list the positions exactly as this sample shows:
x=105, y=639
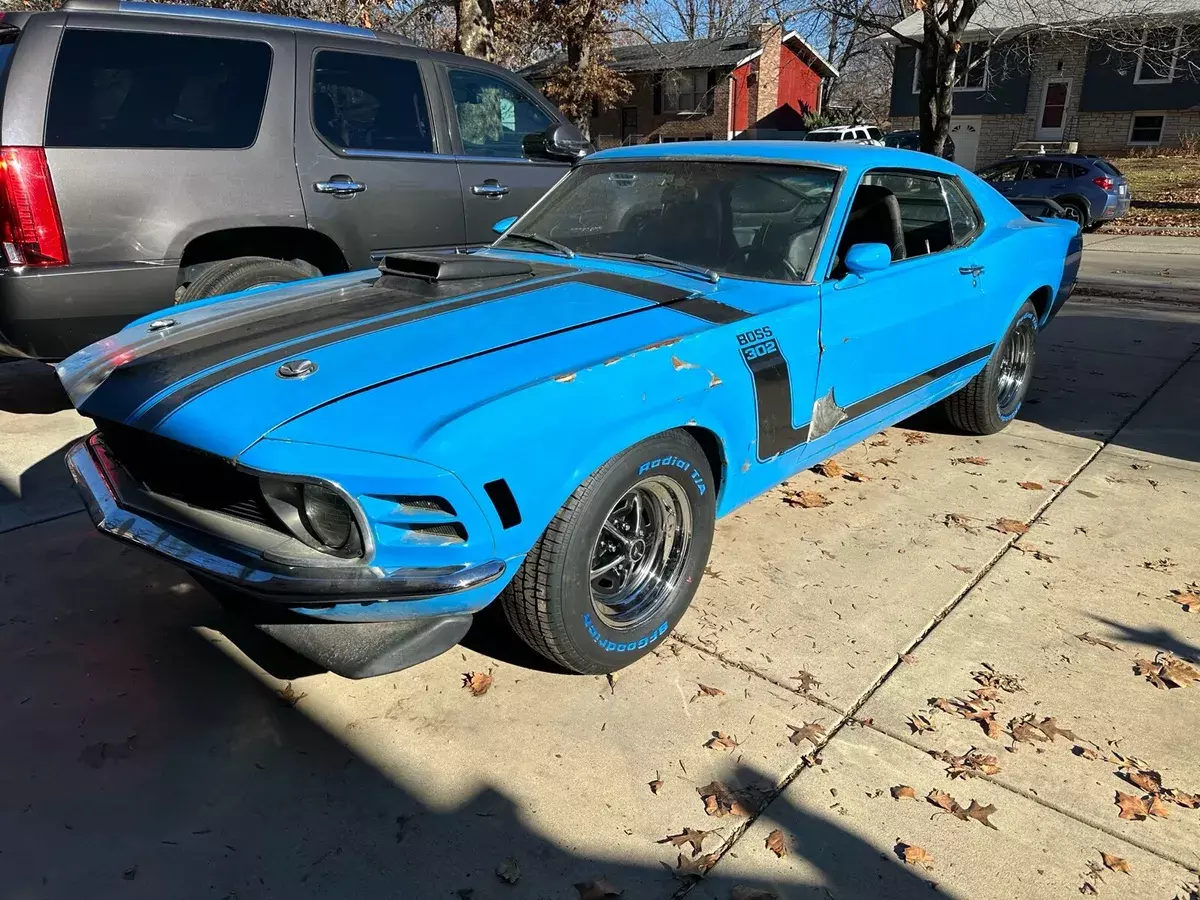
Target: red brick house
x=756, y=85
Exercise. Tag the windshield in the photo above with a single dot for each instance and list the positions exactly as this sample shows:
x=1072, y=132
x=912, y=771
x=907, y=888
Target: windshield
x=742, y=219
x=823, y=136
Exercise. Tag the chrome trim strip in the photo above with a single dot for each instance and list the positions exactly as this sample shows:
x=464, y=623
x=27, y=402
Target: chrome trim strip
x=246, y=570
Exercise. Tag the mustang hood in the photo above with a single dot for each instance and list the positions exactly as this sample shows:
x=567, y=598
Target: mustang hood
x=219, y=376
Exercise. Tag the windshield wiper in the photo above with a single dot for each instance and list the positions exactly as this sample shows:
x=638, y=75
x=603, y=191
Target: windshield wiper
x=662, y=261
x=543, y=241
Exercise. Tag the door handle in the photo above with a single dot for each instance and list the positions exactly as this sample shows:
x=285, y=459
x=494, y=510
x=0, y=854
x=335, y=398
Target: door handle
x=970, y=270
x=490, y=188
x=340, y=186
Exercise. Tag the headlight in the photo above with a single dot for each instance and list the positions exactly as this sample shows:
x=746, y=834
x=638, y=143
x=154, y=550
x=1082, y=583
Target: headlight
x=328, y=517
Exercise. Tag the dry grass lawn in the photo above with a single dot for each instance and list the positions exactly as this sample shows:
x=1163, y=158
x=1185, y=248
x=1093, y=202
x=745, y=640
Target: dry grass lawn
x=1174, y=178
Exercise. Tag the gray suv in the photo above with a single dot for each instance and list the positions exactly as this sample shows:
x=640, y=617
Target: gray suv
x=154, y=153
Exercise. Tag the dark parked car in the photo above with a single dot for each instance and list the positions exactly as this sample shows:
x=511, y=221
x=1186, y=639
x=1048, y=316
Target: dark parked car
x=1090, y=190
x=911, y=140
x=154, y=152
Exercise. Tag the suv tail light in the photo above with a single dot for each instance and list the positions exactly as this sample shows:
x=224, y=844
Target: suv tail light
x=1104, y=182
x=30, y=228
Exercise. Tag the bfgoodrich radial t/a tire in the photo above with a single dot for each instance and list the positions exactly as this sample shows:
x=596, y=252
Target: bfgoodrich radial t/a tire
x=992, y=399
x=618, y=565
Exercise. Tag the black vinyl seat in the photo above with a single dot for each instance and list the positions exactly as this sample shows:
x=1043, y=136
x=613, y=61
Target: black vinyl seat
x=874, y=219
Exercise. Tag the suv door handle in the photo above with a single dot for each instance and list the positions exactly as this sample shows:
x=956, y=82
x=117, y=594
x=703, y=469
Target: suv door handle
x=970, y=270
x=340, y=186
x=490, y=188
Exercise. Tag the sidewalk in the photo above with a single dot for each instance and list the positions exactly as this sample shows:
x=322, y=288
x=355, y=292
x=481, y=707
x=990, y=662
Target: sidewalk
x=1144, y=267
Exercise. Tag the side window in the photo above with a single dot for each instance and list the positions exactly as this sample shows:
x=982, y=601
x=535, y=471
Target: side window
x=494, y=117
x=924, y=216
x=875, y=134
x=964, y=221
x=364, y=102
x=135, y=89
x=1042, y=168
x=1005, y=174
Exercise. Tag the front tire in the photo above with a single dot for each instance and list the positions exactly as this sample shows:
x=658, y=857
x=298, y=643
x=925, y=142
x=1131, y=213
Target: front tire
x=618, y=565
x=992, y=399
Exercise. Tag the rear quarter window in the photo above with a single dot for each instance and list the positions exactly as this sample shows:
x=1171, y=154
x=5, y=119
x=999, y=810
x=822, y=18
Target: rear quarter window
x=141, y=90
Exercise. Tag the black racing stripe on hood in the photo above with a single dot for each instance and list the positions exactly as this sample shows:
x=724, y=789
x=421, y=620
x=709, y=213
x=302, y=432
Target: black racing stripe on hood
x=131, y=385
x=656, y=293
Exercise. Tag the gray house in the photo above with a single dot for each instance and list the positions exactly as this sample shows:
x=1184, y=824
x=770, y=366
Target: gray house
x=1053, y=87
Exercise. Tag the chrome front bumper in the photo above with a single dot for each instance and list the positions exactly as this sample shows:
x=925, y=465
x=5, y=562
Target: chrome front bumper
x=246, y=570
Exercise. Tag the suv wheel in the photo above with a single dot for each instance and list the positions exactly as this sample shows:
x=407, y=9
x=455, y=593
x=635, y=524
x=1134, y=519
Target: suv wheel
x=1075, y=212
x=240, y=274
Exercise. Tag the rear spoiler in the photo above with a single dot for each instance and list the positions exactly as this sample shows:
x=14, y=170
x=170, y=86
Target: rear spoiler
x=1038, y=207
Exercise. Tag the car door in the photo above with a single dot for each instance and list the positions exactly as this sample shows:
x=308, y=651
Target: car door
x=497, y=126
x=1038, y=178
x=887, y=335
x=1002, y=176
x=374, y=160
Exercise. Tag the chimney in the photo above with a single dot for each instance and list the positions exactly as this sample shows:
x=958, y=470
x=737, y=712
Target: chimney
x=767, y=35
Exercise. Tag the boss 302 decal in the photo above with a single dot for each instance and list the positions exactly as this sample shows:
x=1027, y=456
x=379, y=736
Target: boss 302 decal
x=772, y=393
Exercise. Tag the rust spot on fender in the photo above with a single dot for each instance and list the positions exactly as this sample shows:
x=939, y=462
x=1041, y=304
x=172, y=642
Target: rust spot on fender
x=746, y=466
x=615, y=359
x=570, y=376
x=669, y=342
x=714, y=381
x=680, y=364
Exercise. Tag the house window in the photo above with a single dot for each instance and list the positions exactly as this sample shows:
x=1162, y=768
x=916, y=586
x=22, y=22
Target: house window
x=970, y=68
x=1157, y=55
x=686, y=91
x=1146, y=129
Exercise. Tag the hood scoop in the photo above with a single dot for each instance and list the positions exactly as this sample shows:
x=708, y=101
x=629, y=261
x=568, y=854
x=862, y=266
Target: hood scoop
x=437, y=268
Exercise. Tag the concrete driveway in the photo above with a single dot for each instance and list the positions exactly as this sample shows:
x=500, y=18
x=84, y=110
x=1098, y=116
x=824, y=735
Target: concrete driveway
x=155, y=750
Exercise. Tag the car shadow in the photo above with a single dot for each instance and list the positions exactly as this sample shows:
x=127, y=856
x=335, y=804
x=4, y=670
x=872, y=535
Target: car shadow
x=31, y=387
x=156, y=764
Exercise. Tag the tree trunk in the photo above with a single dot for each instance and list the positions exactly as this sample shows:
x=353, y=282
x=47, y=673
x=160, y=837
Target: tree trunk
x=579, y=57
x=936, y=103
x=475, y=29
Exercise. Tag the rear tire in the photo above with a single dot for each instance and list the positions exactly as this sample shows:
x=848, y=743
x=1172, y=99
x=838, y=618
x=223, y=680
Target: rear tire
x=992, y=399
x=240, y=274
x=1075, y=212
x=574, y=602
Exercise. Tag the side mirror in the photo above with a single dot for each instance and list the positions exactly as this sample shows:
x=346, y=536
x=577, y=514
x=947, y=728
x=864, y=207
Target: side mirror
x=864, y=258
x=565, y=141
x=504, y=224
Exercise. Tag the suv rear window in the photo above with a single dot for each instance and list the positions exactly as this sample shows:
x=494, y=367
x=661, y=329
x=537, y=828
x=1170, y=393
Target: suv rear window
x=366, y=102
x=136, y=89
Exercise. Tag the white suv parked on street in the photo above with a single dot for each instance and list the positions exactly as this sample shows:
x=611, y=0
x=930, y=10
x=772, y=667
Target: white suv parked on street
x=851, y=134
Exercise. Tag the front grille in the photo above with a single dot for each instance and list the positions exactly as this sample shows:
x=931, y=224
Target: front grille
x=170, y=469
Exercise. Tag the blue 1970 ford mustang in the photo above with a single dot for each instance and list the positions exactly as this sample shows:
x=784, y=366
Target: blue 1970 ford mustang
x=359, y=463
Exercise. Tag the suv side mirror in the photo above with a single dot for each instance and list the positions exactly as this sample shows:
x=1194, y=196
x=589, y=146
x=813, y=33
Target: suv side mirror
x=565, y=141
x=864, y=258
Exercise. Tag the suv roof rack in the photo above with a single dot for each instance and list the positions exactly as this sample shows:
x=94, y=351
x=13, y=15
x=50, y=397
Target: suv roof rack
x=222, y=15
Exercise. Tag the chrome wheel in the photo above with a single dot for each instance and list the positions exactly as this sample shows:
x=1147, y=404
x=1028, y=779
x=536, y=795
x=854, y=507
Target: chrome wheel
x=640, y=553
x=1016, y=360
x=1073, y=212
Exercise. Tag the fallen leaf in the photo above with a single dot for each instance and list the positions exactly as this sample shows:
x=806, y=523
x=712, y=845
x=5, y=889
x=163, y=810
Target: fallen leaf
x=807, y=500
x=509, y=871
x=945, y=802
x=720, y=741
x=1148, y=781
x=656, y=784
x=1189, y=600
x=985, y=716
x=1132, y=807
x=1009, y=526
x=919, y=724
x=908, y=658
x=969, y=461
x=811, y=732
x=1155, y=806
x=1088, y=889
x=986, y=694
x=807, y=682
x=776, y=843
x=687, y=836
x=943, y=704
x=691, y=869
x=597, y=890
x=883, y=461
x=1180, y=798
x=720, y=801
x=915, y=437
x=289, y=697
x=857, y=477
x=1049, y=727
x=1166, y=671
x=914, y=855
x=1026, y=731
x=829, y=468
x=1059, y=482
x=708, y=691
x=1030, y=485
x=903, y=792
x=882, y=442
x=960, y=520
x=1115, y=863
x=980, y=813
x=477, y=682
x=1097, y=642
x=966, y=569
